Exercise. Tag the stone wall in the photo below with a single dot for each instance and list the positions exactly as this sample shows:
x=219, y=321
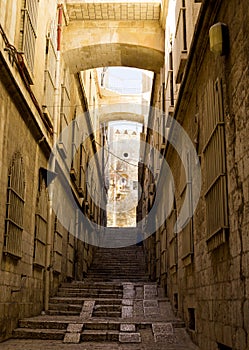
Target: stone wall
x=209, y=288
x=30, y=129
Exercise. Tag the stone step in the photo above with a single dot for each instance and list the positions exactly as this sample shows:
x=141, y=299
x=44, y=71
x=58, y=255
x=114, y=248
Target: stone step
x=102, y=325
x=62, y=312
x=66, y=300
x=65, y=307
x=89, y=286
x=113, y=302
x=42, y=333
x=108, y=277
x=94, y=291
x=107, y=313
x=43, y=324
x=107, y=308
x=99, y=335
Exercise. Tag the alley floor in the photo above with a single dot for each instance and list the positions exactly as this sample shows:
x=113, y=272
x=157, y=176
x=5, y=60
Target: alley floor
x=115, y=307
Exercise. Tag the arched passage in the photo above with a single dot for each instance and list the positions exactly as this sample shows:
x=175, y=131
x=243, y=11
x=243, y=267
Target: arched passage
x=91, y=44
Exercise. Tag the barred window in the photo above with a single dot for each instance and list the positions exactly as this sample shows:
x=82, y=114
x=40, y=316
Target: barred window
x=70, y=254
x=186, y=198
x=15, y=207
x=65, y=101
x=215, y=166
x=28, y=35
x=65, y=117
x=180, y=43
x=41, y=219
x=50, y=70
x=172, y=238
x=58, y=240
x=76, y=153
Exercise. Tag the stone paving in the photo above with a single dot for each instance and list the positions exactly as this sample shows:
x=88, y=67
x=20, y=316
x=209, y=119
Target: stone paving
x=145, y=322
x=114, y=314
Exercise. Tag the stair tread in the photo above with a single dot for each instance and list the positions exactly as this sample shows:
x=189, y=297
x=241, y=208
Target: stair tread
x=40, y=330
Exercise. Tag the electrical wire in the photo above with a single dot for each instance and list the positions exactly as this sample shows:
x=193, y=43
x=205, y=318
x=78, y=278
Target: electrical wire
x=114, y=155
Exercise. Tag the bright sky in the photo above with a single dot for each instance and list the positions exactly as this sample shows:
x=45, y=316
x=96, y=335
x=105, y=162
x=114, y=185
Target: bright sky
x=125, y=1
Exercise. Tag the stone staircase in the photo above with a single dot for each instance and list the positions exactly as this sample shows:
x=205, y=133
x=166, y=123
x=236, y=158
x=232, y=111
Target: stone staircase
x=119, y=264
x=115, y=303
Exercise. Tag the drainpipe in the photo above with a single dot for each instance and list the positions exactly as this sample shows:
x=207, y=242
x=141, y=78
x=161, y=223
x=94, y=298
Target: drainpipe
x=48, y=270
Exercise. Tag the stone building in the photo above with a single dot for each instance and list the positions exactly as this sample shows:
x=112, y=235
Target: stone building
x=39, y=98
x=193, y=169
x=123, y=176
x=203, y=264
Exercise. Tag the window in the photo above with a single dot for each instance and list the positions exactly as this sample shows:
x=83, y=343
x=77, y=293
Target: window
x=172, y=238
x=29, y=16
x=191, y=319
x=41, y=218
x=50, y=70
x=215, y=166
x=70, y=254
x=180, y=42
x=176, y=301
x=58, y=238
x=171, y=78
x=76, y=152
x=15, y=208
x=65, y=115
x=187, y=231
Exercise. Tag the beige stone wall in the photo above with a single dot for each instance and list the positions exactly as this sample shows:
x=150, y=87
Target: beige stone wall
x=214, y=282
x=24, y=128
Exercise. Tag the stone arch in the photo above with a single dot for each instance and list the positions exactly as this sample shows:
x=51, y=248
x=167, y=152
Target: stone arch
x=91, y=44
x=133, y=112
x=131, y=117
x=113, y=54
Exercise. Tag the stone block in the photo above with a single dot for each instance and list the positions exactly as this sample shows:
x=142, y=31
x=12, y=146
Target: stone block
x=127, y=302
x=149, y=311
x=127, y=311
x=164, y=328
x=73, y=338
x=129, y=338
x=74, y=327
x=125, y=327
x=150, y=303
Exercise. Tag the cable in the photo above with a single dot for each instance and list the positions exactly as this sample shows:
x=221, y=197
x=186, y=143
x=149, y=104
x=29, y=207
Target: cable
x=123, y=160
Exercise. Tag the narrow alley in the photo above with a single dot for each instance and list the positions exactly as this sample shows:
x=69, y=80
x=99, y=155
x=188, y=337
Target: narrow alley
x=115, y=307
x=124, y=174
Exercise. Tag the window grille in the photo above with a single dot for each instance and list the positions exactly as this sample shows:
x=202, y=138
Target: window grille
x=180, y=43
x=58, y=240
x=75, y=166
x=215, y=166
x=172, y=240
x=50, y=71
x=82, y=176
x=15, y=208
x=65, y=110
x=70, y=254
x=29, y=14
x=41, y=219
x=187, y=231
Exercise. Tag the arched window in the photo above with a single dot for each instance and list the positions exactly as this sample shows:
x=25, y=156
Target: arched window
x=15, y=207
x=41, y=218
